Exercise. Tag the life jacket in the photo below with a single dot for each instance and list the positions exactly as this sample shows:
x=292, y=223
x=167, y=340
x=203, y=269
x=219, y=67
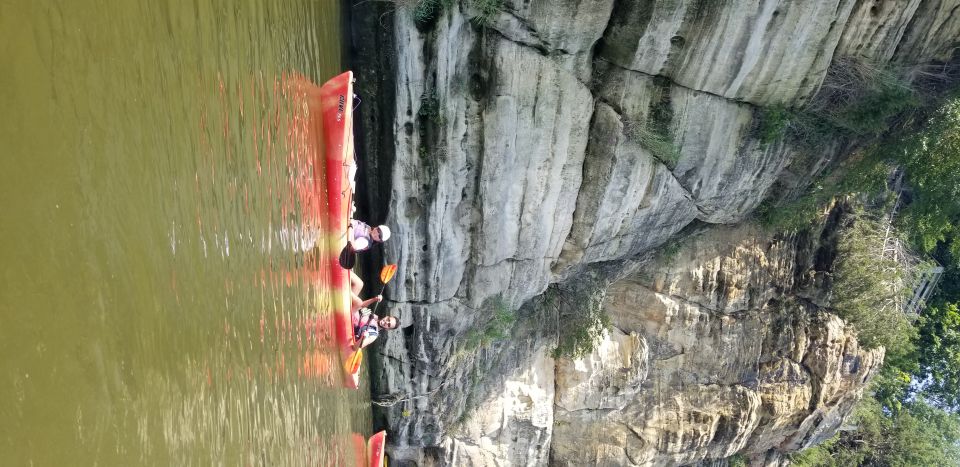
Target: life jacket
x=370, y=328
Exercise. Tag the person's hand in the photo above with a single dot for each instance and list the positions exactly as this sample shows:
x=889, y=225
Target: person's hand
x=379, y=298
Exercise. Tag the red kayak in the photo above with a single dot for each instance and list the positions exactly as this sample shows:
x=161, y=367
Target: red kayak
x=370, y=453
x=328, y=202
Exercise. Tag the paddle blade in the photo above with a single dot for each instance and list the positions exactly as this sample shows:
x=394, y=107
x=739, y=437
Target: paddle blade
x=353, y=363
x=347, y=258
x=387, y=273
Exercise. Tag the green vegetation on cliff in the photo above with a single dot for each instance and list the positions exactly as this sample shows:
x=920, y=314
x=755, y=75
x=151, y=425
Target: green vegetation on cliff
x=926, y=148
x=911, y=418
x=498, y=323
x=868, y=286
x=426, y=12
x=857, y=99
x=918, y=435
x=581, y=319
x=924, y=143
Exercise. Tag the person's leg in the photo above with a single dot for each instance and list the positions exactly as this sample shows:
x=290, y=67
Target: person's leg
x=355, y=304
x=356, y=284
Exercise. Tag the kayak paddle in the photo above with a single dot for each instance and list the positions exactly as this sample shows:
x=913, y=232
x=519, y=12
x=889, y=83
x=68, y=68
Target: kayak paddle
x=385, y=275
x=347, y=257
x=353, y=363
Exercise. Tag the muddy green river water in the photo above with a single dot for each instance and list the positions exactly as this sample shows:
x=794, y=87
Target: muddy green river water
x=150, y=306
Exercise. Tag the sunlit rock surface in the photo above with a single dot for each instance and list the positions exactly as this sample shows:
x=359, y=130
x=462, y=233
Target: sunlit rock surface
x=513, y=426
x=735, y=360
x=629, y=201
x=761, y=52
x=608, y=378
x=555, y=145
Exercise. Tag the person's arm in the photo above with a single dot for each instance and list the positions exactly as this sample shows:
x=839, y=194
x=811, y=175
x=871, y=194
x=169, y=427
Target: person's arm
x=371, y=301
x=360, y=244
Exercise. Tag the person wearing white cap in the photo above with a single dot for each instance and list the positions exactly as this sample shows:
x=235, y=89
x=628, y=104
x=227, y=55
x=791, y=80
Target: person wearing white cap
x=361, y=236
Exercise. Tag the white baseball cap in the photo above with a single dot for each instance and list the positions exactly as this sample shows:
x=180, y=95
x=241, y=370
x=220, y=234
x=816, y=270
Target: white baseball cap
x=384, y=232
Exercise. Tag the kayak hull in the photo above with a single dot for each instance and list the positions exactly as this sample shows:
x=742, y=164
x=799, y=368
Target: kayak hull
x=375, y=449
x=331, y=128
x=369, y=452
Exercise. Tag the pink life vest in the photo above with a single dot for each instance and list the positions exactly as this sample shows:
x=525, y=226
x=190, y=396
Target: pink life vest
x=365, y=326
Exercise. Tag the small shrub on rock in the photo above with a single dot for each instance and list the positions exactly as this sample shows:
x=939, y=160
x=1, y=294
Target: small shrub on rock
x=861, y=97
x=496, y=328
x=771, y=123
x=582, y=322
x=869, y=287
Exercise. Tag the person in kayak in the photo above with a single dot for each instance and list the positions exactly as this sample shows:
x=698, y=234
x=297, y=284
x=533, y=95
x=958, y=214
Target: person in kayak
x=356, y=303
x=367, y=326
x=361, y=236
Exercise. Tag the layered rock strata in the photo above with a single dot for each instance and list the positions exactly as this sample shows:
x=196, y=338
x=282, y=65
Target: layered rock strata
x=531, y=148
x=717, y=351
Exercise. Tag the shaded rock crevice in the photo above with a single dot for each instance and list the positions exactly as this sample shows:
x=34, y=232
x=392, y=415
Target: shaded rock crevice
x=675, y=84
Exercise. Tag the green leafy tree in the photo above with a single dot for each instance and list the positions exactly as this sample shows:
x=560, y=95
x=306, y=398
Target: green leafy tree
x=938, y=348
x=949, y=288
x=932, y=162
x=894, y=384
x=911, y=420
x=919, y=435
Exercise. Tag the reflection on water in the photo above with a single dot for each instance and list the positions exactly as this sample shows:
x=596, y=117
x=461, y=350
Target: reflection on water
x=157, y=301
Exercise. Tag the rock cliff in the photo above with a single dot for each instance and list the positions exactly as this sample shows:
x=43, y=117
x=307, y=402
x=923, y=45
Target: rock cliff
x=534, y=158
x=716, y=351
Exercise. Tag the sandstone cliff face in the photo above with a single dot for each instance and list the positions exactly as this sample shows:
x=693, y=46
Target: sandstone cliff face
x=523, y=154
x=715, y=353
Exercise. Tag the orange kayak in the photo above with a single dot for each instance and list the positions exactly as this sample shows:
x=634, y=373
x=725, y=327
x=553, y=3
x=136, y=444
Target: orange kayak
x=369, y=453
x=330, y=198
x=375, y=449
